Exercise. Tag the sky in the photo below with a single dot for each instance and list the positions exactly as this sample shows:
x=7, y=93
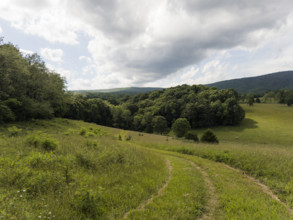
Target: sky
x=101, y=44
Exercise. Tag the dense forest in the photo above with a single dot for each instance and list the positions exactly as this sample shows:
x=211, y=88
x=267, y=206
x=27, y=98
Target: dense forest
x=28, y=89
x=200, y=105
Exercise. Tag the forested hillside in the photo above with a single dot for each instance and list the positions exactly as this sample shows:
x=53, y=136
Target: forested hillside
x=259, y=84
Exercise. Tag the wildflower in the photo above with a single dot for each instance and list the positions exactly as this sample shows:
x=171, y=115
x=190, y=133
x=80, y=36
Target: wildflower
x=24, y=190
x=20, y=196
x=49, y=213
x=39, y=216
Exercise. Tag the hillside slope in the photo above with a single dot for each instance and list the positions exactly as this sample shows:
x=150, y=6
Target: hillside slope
x=258, y=84
x=65, y=169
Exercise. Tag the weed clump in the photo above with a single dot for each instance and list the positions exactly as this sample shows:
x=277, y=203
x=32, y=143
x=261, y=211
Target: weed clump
x=89, y=203
x=84, y=161
x=124, y=137
x=128, y=137
x=38, y=140
x=209, y=137
x=14, y=131
x=49, y=144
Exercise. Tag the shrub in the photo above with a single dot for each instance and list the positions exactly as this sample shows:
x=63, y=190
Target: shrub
x=90, y=134
x=180, y=127
x=209, y=137
x=14, y=131
x=128, y=137
x=191, y=136
x=49, y=144
x=89, y=203
x=6, y=114
x=82, y=132
x=34, y=140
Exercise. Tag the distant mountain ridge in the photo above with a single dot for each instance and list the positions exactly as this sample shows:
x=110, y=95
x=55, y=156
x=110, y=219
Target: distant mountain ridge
x=123, y=91
x=258, y=84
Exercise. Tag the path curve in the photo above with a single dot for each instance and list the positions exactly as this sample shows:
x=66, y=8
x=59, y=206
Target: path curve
x=264, y=188
x=145, y=203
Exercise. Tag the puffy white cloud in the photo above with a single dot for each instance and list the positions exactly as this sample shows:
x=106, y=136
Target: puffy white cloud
x=140, y=42
x=54, y=55
x=47, y=19
x=1, y=30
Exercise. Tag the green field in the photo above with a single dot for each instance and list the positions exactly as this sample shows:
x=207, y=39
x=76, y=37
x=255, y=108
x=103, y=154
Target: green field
x=268, y=124
x=65, y=169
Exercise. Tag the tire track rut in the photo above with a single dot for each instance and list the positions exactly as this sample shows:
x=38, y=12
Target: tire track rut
x=213, y=198
x=160, y=191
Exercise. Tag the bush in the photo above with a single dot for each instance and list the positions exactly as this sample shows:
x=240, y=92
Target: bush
x=180, y=127
x=209, y=137
x=191, y=136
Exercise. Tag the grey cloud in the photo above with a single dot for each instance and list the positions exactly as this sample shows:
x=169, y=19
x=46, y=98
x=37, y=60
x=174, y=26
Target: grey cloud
x=217, y=25
x=119, y=20
x=36, y=4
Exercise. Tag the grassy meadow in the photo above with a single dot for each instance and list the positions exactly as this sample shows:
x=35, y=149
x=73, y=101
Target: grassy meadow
x=265, y=154
x=65, y=169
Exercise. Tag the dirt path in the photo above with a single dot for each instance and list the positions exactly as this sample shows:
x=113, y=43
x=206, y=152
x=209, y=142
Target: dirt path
x=264, y=188
x=145, y=203
x=213, y=198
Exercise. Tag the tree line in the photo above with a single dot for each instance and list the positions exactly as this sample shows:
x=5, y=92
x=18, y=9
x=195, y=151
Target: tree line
x=156, y=111
x=28, y=89
x=284, y=96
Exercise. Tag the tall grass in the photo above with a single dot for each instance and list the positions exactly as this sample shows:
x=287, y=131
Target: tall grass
x=50, y=170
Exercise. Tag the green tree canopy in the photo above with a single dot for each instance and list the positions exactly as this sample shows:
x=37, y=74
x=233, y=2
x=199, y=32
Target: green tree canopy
x=27, y=88
x=160, y=124
x=180, y=127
